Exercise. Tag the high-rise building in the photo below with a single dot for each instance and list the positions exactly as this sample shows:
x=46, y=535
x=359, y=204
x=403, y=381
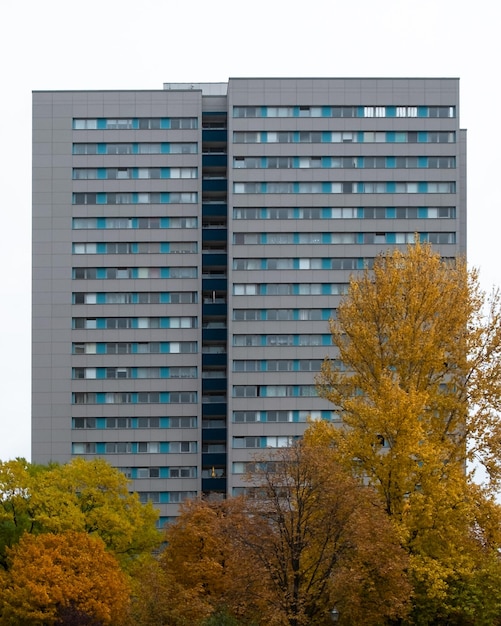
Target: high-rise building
x=190, y=245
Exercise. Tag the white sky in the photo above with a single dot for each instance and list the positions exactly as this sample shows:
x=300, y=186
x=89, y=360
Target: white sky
x=120, y=44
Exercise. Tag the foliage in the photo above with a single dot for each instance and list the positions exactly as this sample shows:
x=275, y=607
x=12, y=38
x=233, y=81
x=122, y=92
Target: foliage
x=204, y=560
x=86, y=496
x=308, y=538
x=323, y=541
x=161, y=598
x=68, y=578
x=17, y=478
x=417, y=380
x=221, y=618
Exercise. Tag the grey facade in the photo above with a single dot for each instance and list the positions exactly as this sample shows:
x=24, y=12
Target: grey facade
x=190, y=245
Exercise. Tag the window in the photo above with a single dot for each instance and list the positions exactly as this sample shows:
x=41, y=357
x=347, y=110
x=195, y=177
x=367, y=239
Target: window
x=279, y=314
x=280, y=238
x=245, y=391
x=281, y=365
x=310, y=213
x=84, y=422
x=183, y=272
x=278, y=391
x=246, y=214
x=246, y=366
x=182, y=447
x=84, y=124
x=182, y=247
x=246, y=417
x=246, y=264
x=279, y=416
x=246, y=314
x=246, y=340
x=183, y=397
x=182, y=472
x=306, y=289
x=83, y=448
x=182, y=422
x=245, y=290
x=280, y=264
x=247, y=442
x=181, y=496
x=150, y=447
x=183, y=347
x=246, y=238
x=310, y=340
x=182, y=322
x=118, y=422
x=147, y=472
x=279, y=340
x=118, y=448
x=310, y=366
x=310, y=314
x=279, y=289
x=305, y=238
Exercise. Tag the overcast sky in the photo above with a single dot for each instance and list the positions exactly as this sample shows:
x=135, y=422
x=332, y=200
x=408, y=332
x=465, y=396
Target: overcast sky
x=120, y=44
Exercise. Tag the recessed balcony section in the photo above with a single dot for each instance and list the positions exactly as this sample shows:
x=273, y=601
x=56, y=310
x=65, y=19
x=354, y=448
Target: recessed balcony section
x=216, y=260
x=214, y=435
x=214, y=386
x=216, y=422
x=213, y=410
x=216, y=372
x=211, y=485
x=210, y=185
x=214, y=321
x=213, y=359
x=211, y=159
x=214, y=136
x=214, y=197
x=214, y=298
x=214, y=334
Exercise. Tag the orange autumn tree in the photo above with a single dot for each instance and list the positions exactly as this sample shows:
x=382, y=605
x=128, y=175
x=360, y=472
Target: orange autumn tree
x=209, y=569
x=55, y=578
x=321, y=540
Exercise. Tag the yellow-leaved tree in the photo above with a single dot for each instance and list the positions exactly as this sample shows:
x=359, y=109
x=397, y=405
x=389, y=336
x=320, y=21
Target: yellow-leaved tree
x=417, y=381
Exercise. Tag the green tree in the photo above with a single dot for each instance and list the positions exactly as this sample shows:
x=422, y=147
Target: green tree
x=17, y=478
x=417, y=381
x=86, y=496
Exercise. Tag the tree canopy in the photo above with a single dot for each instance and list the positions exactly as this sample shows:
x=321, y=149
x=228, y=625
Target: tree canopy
x=416, y=379
x=306, y=538
x=86, y=496
x=54, y=577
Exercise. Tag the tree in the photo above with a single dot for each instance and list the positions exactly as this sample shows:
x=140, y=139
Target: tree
x=16, y=485
x=322, y=539
x=68, y=578
x=202, y=558
x=417, y=381
x=86, y=496
x=161, y=598
x=306, y=538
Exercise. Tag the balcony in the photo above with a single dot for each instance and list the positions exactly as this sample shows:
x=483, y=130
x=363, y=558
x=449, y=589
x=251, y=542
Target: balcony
x=214, y=160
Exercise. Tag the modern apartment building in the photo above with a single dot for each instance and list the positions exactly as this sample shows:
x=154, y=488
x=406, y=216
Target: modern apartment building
x=190, y=245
